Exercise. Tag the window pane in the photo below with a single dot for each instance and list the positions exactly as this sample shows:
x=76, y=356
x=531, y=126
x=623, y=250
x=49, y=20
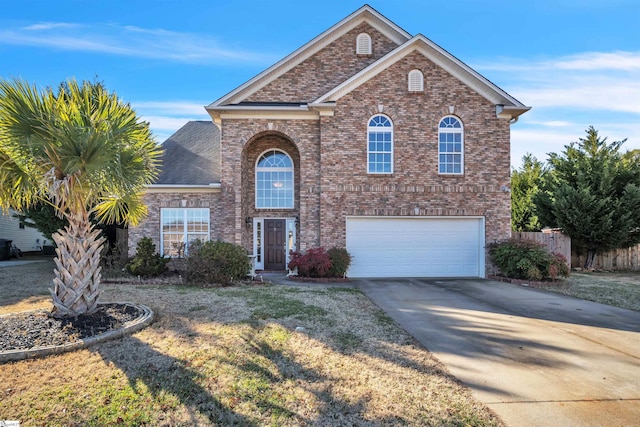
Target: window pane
x=179, y=226
x=274, y=181
x=380, y=145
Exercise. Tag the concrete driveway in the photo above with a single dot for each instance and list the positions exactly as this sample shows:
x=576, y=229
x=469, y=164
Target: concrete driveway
x=535, y=358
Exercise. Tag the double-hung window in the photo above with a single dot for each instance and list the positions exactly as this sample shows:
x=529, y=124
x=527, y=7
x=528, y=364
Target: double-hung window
x=181, y=226
x=380, y=145
x=450, y=146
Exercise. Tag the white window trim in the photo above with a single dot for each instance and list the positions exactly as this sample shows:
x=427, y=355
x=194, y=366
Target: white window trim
x=363, y=44
x=292, y=244
x=461, y=146
x=185, y=233
x=293, y=178
x=377, y=129
x=415, y=81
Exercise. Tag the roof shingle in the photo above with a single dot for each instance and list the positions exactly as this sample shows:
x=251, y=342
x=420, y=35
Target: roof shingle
x=192, y=155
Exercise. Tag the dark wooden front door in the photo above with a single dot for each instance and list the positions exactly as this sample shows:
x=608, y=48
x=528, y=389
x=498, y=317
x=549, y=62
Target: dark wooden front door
x=274, y=258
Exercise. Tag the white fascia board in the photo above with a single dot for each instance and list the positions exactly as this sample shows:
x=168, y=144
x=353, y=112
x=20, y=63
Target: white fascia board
x=324, y=108
x=364, y=14
x=438, y=56
x=271, y=112
x=214, y=187
x=510, y=112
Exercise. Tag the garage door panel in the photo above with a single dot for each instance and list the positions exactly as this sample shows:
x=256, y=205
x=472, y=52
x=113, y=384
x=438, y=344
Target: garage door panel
x=416, y=247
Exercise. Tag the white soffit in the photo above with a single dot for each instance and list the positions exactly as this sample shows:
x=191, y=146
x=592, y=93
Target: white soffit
x=364, y=14
x=438, y=56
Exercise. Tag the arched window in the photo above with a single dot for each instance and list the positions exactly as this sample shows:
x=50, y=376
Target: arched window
x=380, y=145
x=450, y=146
x=363, y=44
x=274, y=180
x=416, y=81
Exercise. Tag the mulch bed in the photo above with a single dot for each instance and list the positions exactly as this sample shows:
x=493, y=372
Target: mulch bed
x=319, y=279
x=24, y=331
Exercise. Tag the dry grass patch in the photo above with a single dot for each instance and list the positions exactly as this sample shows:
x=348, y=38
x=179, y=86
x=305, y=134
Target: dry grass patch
x=259, y=355
x=620, y=289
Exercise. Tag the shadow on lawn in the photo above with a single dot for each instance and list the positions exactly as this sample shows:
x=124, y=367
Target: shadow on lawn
x=260, y=368
x=173, y=376
x=163, y=373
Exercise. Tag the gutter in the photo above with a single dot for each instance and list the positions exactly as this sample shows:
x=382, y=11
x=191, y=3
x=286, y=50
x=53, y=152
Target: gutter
x=213, y=187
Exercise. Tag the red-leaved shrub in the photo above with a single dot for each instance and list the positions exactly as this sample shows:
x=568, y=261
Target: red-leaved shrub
x=314, y=262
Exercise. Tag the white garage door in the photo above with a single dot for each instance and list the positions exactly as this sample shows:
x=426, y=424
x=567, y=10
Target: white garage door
x=415, y=247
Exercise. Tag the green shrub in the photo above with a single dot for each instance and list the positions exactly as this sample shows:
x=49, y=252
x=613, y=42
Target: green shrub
x=525, y=259
x=340, y=262
x=147, y=262
x=216, y=263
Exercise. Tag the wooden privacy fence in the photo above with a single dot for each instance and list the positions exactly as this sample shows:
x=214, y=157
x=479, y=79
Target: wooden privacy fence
x=617, y=259
x=557, y=243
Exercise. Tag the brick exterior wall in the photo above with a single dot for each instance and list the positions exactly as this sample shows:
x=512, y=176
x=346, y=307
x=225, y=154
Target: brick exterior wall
x=330, y=154
x=415, y=187
x=150, y=226
x=243, y=141
x=326, y=69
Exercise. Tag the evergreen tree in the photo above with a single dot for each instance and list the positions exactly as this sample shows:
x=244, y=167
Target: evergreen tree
x=525, y=184
x=592, y=193
x=43, y=217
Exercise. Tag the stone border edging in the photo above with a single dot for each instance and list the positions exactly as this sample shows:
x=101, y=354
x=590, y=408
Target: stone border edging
x=129, y=328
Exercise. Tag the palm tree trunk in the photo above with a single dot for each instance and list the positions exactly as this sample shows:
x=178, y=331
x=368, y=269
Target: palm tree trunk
x=77, y=271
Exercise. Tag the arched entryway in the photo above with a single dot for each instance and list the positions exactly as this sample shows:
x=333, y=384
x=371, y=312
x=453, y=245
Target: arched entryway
x=271, y=199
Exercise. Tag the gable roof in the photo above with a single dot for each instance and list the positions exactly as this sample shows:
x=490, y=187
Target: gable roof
x=506, y=106
x=365, y=14
x=191, y=156
x=509, y=106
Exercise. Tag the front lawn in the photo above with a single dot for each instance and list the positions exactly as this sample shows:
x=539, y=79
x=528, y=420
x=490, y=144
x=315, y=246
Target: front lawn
x=252, y=355
x=621, y=289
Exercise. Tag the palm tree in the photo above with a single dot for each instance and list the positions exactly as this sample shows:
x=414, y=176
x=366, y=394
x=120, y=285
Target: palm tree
x=85, y=152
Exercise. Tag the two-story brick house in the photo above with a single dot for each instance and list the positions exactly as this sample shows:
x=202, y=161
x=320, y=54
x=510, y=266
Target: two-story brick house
x=366, y=138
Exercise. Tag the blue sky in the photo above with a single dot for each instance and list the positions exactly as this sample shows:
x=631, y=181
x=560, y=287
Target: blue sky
x=576, y=62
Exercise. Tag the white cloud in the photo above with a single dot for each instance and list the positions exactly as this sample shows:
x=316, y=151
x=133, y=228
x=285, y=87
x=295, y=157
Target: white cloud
x=587, y=61
x=131, y=41
x=540, y=141
x=552, y=123
x=172, y=107
x=167, y=123
x=605, y=81
x=49, y=26
x=568, y=94
x=627, y=61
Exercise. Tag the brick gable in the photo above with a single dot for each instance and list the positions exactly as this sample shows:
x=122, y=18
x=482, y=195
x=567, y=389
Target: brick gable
x=415, y=188
x=326, y=69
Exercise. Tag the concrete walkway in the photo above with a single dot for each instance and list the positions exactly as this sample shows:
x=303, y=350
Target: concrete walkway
x=14, y=262
x=535, y=358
